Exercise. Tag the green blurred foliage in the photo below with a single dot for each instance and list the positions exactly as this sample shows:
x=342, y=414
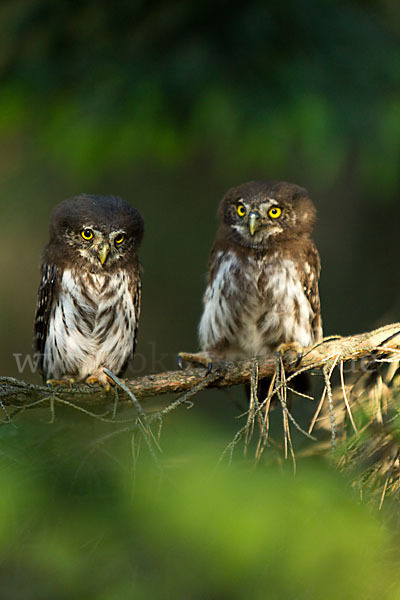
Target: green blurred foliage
x=103, y=83
x=82, y=518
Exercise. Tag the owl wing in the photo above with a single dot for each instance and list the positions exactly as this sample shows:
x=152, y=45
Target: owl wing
x=135, y=290
x=47, y=293
x=136, y=299
x=310, y=275
x=220, y=321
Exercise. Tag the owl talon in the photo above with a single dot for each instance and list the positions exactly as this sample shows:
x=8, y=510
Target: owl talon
x=99, y=378
x=196, y=358
x=64, y=381
x=291, y=354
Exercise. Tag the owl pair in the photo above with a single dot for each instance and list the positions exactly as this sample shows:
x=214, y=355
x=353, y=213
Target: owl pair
x=262, y=289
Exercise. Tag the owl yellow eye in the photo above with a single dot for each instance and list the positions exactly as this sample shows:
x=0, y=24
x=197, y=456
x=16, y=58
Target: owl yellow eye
x=275, y=212
x=87, y=234
x=241, y=210
x=119, y=239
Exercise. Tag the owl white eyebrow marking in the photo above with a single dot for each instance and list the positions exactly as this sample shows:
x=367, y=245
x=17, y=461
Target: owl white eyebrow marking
x=90, y=227
x=269, y=202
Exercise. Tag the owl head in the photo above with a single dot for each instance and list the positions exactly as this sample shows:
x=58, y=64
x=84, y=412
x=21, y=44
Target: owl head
x=256, y=212
x=99, y=233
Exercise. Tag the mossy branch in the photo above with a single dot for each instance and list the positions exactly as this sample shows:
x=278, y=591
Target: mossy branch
x=373, y=345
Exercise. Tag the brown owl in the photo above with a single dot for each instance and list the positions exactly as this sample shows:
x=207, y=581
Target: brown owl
x=262, y=289
x=88, y=305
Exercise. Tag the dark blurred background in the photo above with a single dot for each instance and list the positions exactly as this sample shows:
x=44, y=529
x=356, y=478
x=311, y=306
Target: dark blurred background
x=169, y=103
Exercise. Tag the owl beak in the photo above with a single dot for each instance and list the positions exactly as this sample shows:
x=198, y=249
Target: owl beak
x=102, y=252
x=254, y=222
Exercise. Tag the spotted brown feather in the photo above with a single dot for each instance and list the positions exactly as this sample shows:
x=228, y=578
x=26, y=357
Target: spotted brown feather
x=47, y=294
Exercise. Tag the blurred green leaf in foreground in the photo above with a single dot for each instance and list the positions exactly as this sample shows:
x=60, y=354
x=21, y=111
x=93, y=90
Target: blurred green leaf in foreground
x=93, y=520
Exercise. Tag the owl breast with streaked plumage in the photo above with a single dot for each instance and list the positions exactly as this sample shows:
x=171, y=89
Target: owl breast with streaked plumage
x=93, y=323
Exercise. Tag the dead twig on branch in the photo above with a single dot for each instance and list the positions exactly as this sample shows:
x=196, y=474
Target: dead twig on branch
x=356, y=415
